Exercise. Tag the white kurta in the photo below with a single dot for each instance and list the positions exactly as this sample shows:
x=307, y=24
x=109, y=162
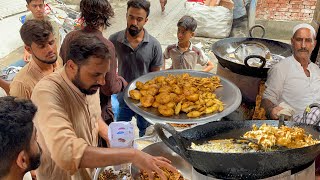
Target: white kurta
x=288, y=83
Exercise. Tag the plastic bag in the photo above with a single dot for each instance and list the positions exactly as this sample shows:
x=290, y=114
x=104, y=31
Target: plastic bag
x=213, y=21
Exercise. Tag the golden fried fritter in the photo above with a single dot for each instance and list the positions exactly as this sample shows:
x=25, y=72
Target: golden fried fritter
x=139, y=85
x=160, y=79
x=193, y=97
x=176, y=89
x=152, y=91
x=155, y=104
x=135, y=94
x=165, y=110
x=171, y=104
x=163, y=98
x=194, y=114
x=165, y=89
x=178, y=108
x=147, y=101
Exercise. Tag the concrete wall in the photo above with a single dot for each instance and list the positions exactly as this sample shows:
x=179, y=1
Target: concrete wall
x=292, y=10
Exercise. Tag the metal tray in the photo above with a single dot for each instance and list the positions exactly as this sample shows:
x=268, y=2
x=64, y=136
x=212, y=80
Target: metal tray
x=228, y=93
x=160, y=149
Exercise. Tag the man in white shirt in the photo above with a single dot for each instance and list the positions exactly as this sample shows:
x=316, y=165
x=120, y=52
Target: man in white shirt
x=294, y=80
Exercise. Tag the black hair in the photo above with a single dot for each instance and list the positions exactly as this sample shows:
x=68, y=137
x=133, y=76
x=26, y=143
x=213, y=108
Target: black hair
x=16, y=128
x=140, y=4
x=29, y=1
x=188, y=22
x=85, y=46
x=96, y=13
x=37, y=31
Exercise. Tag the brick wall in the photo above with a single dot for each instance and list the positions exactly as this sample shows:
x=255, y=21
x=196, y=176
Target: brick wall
x=294, y=10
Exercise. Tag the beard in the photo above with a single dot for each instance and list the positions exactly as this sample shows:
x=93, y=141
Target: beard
x=133, y=30
x=51, y=61
x=35, y=160
x=78, y=83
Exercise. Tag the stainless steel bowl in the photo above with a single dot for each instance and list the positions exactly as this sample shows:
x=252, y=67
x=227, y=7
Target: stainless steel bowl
x=228, y=93
x=160, y=149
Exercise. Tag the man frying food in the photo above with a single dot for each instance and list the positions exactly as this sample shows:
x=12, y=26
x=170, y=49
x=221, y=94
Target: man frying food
x=294, y=81
x=69, y=118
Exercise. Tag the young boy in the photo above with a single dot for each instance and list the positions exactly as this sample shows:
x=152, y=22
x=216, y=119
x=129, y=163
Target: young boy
x=183, y=54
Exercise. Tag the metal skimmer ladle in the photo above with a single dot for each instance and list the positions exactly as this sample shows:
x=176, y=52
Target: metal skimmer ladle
x=281, y=120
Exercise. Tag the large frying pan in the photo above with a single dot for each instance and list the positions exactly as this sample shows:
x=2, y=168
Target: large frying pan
x=249, y=165
x=223, y=47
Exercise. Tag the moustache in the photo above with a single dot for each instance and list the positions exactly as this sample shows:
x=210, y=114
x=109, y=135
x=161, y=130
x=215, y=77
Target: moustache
x=133, y=27
x=50, y=54
x=97, y=85
x=303, y=50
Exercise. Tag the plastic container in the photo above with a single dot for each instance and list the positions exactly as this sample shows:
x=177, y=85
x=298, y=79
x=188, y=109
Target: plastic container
x=121, y=135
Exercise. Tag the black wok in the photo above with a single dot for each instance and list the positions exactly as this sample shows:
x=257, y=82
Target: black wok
x=223, y=47
x=249, y=165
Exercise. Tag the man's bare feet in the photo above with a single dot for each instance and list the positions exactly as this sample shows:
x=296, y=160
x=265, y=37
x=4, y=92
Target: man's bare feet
x=163, y=4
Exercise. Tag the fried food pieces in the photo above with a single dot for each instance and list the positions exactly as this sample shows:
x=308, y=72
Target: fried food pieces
x=110, y=174
x=169, y=174
x=270, y=136
x=175, y=94
x=135, y=94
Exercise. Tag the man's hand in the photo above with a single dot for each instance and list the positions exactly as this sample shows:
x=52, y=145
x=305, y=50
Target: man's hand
x=151, y=164
x=275, y=111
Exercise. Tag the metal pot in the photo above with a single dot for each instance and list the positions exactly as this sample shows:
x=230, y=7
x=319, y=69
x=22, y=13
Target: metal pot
x=160, y=149
x=249, y=165
x=224, y=47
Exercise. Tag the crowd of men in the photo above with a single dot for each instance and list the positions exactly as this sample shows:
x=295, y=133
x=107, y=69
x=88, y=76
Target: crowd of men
x=68, y=117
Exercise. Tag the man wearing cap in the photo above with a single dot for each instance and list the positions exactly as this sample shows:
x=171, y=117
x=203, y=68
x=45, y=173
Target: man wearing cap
x=295, y=80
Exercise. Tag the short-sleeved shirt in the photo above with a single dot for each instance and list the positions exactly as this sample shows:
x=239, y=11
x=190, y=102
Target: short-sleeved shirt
x=133, y=63
x=187, y=59
x=67, y=123
x=27, y=78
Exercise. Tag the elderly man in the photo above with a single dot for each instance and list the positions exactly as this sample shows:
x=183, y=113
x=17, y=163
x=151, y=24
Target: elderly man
x=69, y=118
x=39, y=41
x=19, y=150
x=294, y=81
x=138, y=53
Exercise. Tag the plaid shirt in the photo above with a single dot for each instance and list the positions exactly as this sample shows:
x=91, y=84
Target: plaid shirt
x=313, y=117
